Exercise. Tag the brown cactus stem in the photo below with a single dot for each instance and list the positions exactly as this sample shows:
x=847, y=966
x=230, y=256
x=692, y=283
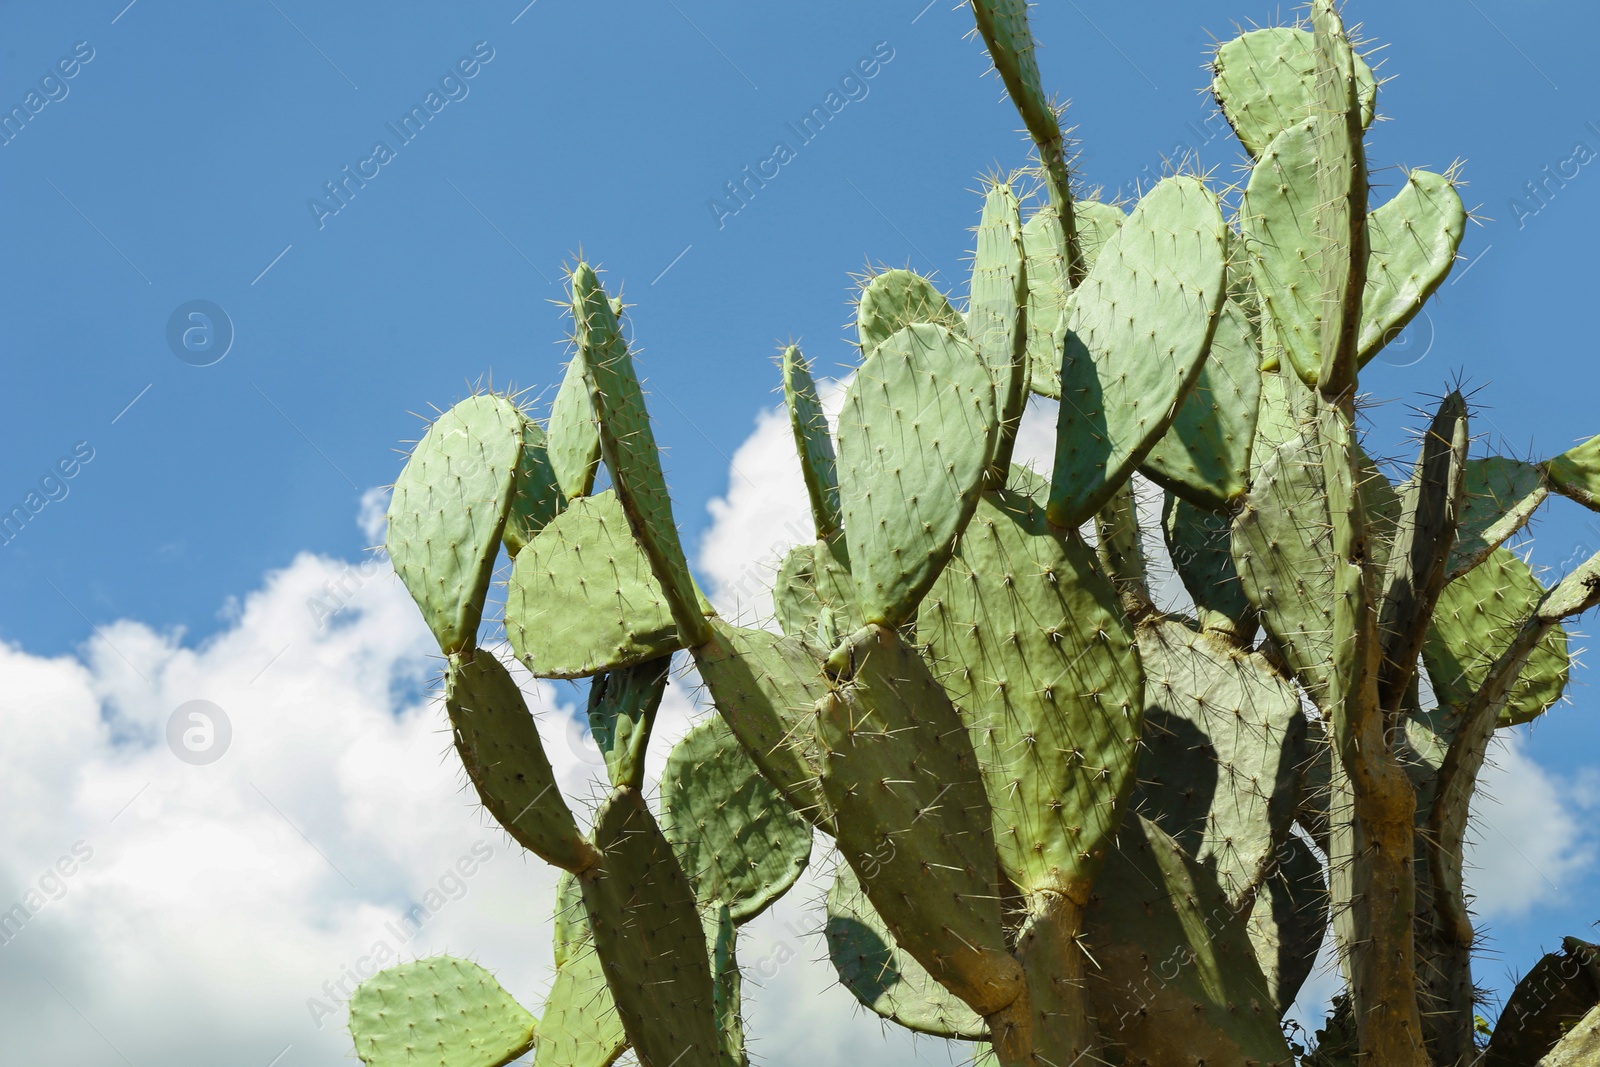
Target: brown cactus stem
x=1374, y=805
x=1050, y=1024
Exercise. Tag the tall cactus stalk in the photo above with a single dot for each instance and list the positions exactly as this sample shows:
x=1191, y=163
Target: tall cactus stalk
x=1074, y=823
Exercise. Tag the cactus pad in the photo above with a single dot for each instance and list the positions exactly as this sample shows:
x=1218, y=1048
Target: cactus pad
x=1477, y=616
x=896, y=299
x=535, y=496
x=1278, y=219
x=437, y=1012
x=918, y=429
x=1224, y=738
x=1499, y=496
x=582, y=597
x=1413, y=241
x=1138, y=332
x=738, y=839
x=1030, y=643
x=913, y=820
x=622, y=710
x=812, y=441
x=1178, y=975
x=766, y=688
x=1576, y=473
x=629, y=448
x=1049, y=284
x=1283, y=551
x=1265, y=82
x=580, y=1026
x=996, y=310
x=573, y=437
x=1289, y=921
x=500, y=748
x=1205, y=456
x=448, y=512
x=1198, y=543
x=883, y=977
x=648, y=933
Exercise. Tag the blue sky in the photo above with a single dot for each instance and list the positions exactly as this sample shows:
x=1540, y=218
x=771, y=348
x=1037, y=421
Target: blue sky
x=180, y=160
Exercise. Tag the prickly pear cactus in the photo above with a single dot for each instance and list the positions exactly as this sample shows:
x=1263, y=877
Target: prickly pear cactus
x=1065, y=819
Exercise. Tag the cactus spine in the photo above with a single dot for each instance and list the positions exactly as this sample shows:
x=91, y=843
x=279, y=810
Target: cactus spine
x=1074, y=824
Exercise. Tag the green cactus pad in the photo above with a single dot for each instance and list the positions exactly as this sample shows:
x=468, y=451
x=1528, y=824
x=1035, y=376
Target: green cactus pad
x=1265, y=82
x=1476, y=618
x=1278, y=219
x=582, y=598
x=580, y=1026
x=996, y=309
x=1199, y=544
x=1283, y=552
x=500, y=748
x=794, y=592
x=1412, y=241
x=766, y=688
x=1342, y=199
x=629, y=448
x=918, y=429
x=535, y=496
x=1205, y=456
x=1049, y=286
x=883, y=977
x=896, y=299
x=1286, y=408
x=913, y=820
x=1224, y=738
x=448, y=512
x=1289, y=921
x=647, y=931
x=573, y=437
x=1160, y=277
x=1499, y=496
x=738, y=839
x=727, y=985
x=1028, y=638
x=1576, y=473
x=812, y=440
x=622, y=710
x=1178, y=976
x=437, y=1012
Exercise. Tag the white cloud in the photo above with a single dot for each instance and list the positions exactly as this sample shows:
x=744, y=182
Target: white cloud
x=210, y=908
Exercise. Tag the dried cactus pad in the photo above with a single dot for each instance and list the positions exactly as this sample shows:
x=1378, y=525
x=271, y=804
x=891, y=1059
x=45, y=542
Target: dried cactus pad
x=438, y=1012
x=448, y=512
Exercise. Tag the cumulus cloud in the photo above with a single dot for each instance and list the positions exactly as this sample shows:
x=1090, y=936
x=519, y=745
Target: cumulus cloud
x=184, y=912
